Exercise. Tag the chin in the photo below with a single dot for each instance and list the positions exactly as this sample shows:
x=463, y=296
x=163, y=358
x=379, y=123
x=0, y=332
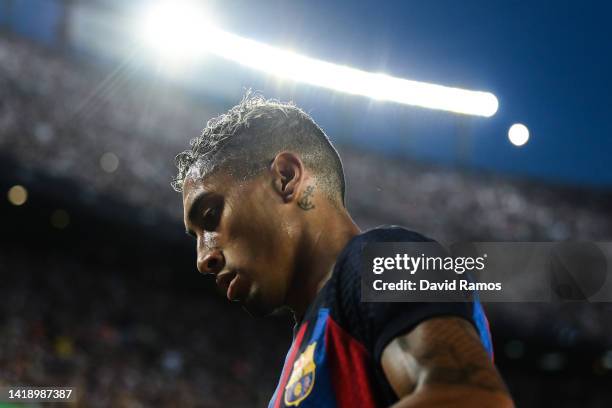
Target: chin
x=256, y=306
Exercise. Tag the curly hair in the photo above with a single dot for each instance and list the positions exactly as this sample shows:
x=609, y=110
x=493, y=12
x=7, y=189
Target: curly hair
x=244, y=140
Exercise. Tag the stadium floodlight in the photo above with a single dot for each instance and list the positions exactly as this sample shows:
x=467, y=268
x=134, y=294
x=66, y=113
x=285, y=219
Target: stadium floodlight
x=175, y=29
x=178, y=29
x=518, y=134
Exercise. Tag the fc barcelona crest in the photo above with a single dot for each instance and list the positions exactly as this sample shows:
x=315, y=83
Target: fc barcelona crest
x=302, y=377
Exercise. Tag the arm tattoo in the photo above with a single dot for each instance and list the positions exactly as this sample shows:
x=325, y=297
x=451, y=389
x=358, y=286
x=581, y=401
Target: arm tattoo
x=450, y=353
x=305, y=202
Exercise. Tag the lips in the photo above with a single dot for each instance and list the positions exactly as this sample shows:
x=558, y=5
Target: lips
x=224, y=279
x=229, y=282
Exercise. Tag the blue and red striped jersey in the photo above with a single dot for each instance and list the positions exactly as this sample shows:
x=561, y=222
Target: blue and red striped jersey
x=334, y=359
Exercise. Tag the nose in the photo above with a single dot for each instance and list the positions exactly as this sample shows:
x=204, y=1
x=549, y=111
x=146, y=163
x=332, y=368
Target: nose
x=211, y=262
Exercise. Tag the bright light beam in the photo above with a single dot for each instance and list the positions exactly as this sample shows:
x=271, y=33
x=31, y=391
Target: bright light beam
x=184, y=31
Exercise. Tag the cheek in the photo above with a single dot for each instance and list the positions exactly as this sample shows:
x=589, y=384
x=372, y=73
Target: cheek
x=262, y=256
x=249, y=237
x=259, y=233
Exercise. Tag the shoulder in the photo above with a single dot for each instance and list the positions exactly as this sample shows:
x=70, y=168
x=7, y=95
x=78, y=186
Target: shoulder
x=375, y=323
x=348, y=262
x=349, y=259
x=344, y=288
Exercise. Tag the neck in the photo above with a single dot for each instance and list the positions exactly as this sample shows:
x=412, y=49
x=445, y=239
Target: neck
x=326, y=235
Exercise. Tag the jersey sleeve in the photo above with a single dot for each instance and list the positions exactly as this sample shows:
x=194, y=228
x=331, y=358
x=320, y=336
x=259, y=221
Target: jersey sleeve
x=376, y=324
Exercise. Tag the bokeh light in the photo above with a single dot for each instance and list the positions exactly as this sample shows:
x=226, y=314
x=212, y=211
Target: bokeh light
x=109, y=162
x=518, y=134
x=17, y=195
x=60, y=219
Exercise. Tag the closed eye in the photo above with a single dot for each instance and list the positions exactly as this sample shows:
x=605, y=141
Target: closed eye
x=205, y=212
x=211, y=217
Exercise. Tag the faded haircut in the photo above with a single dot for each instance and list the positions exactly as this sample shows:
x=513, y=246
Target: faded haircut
x=245, y=140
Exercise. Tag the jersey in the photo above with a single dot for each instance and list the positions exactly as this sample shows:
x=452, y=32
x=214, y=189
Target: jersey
x=334, y=358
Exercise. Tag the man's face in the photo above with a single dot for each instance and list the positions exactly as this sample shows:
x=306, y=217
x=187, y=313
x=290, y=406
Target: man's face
x=244, y=238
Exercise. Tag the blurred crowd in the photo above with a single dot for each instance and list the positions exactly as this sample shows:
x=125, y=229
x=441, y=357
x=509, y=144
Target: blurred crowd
x=66, y=322
x=117, y=133
x=114, y=134
x=454, y=206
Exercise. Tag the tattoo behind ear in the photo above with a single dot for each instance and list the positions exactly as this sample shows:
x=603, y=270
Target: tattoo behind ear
x=305, y=202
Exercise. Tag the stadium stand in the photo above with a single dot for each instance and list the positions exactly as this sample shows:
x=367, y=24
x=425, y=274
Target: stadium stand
x=125, y=317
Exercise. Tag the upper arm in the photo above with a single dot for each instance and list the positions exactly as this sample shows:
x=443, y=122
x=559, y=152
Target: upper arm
x=444, y=355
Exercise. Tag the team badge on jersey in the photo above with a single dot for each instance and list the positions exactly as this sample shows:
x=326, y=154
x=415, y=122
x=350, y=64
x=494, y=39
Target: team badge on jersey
x=302, y=377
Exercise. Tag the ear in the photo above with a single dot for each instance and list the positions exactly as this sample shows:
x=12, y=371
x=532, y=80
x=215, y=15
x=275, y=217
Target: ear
x=287, y=173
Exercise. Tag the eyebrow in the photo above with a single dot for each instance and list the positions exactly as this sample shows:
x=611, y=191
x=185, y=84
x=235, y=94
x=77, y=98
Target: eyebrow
x=195, y=209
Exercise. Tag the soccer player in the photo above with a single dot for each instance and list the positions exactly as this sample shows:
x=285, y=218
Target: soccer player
x=263, y=194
